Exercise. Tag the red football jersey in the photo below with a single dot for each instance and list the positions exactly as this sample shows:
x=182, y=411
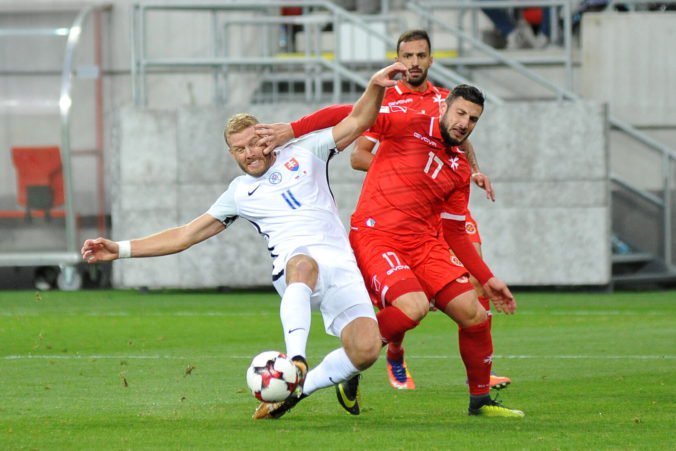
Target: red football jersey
x=426, y=102
x=412, y=178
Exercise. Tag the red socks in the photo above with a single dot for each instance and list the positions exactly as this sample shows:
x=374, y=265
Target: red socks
x=476, y=350
x=395, y=351
x=393, y=324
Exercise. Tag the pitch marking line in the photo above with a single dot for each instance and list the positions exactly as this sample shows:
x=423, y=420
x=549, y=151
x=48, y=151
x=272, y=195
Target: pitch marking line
x=125, y=314
x=265, y=313
x=431, y=357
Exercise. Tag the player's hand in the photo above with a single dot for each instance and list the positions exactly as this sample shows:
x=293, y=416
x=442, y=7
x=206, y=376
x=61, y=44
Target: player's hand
x=99, y=250
x=483, y=181
x=273, y=135
x=385, y=76
x=499, y=293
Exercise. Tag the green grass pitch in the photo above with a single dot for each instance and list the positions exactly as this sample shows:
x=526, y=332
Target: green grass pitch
x=166, y=370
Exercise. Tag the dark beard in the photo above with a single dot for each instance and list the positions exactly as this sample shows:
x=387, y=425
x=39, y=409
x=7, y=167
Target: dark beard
x=448, y=139
x=417, y=82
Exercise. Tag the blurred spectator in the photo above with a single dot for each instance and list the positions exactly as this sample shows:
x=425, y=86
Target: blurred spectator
x=539, y=20
x=360, y=6
x=287, y=32
x=510, y=33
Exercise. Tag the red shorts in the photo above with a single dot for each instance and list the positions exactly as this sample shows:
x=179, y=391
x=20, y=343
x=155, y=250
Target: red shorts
x=471, y=228
x=392, y=266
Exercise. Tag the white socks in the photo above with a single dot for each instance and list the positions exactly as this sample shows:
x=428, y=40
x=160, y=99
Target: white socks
x=336, y=367
x=296, y=316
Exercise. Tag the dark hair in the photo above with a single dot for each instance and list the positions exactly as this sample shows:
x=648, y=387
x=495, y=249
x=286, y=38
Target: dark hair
x=414, y=35
x=467, y=92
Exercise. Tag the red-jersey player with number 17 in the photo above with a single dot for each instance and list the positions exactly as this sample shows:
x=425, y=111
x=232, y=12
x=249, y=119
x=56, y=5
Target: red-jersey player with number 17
x=416, y=94
x=395, y=235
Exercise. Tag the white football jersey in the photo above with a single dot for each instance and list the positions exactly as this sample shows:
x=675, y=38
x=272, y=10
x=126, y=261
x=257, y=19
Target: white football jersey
x=291, y=205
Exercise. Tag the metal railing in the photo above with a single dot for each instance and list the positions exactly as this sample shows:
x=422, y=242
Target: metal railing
x=219, y=62
x=426, y=8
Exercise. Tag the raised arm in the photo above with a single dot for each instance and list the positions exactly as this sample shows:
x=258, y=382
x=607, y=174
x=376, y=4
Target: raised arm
x=348, y=121
x=169, y=241
x=366, y=109
x=276, y=135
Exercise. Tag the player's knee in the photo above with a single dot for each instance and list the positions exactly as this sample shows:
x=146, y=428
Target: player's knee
x=473, y=316
x=414, y=305
x=302, y=268
x=366, y=354
x=364, y=348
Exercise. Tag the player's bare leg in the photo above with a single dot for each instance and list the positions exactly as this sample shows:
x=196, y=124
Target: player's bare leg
x=361, y=341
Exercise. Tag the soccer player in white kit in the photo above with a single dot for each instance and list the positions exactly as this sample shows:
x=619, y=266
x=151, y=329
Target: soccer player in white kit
x=286, y=196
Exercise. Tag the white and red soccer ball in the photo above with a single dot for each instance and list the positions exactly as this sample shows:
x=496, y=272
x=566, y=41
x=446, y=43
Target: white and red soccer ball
x=272, y=377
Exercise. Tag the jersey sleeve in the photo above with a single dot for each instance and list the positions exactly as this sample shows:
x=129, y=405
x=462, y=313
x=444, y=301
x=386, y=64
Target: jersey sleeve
x=320, y=143
x=225, y=208
x=382, y=126
x=320, y=119
x=453, y=224
x=375, y=132
x=459, y=242
x=371, y=136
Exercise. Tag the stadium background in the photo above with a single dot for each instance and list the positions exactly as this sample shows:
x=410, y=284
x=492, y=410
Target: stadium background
x=146, y=136
x=583, y=207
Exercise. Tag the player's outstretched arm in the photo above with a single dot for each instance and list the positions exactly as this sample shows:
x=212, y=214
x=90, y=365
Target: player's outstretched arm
x=362, y=154
x=276, y=135
x=480, y=179
x=169, y=241
x=500, y=295
x=366, y=109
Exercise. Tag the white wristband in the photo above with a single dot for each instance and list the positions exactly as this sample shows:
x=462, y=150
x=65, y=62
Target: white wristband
x=124, y=249
x=475, y=174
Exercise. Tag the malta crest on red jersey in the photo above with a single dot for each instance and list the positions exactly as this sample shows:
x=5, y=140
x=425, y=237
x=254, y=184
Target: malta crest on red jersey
x=292, y=165
x=469, y=228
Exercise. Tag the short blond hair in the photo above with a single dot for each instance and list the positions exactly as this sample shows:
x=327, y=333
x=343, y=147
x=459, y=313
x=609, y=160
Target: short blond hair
x=237, y=123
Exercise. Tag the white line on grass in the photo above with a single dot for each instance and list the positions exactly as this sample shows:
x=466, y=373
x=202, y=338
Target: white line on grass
x=264, y=313
x=432, y=357
x=592, y=313
x=136, y=314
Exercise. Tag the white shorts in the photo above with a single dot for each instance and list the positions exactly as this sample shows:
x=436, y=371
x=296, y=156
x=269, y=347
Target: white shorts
x=340, y=294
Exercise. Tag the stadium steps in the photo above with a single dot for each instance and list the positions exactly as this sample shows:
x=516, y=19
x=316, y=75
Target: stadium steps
x=640, y=269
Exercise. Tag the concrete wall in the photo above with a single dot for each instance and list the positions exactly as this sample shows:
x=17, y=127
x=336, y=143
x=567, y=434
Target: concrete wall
x=548, y=162
x=550, y=224
x=629, y=61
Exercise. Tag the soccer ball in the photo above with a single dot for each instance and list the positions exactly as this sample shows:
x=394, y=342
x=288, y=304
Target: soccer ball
x=272, y=377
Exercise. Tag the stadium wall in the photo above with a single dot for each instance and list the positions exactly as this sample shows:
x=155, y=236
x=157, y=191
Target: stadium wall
x=548, y=162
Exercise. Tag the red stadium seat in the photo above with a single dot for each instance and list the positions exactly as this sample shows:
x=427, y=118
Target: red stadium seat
x=39, y=178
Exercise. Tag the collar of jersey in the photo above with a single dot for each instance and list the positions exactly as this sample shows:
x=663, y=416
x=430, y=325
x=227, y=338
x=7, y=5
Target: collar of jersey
x=403, y=89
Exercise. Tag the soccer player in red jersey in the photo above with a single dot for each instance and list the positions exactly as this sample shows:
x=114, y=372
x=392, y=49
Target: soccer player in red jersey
x=419, y=177
x=416, y=94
